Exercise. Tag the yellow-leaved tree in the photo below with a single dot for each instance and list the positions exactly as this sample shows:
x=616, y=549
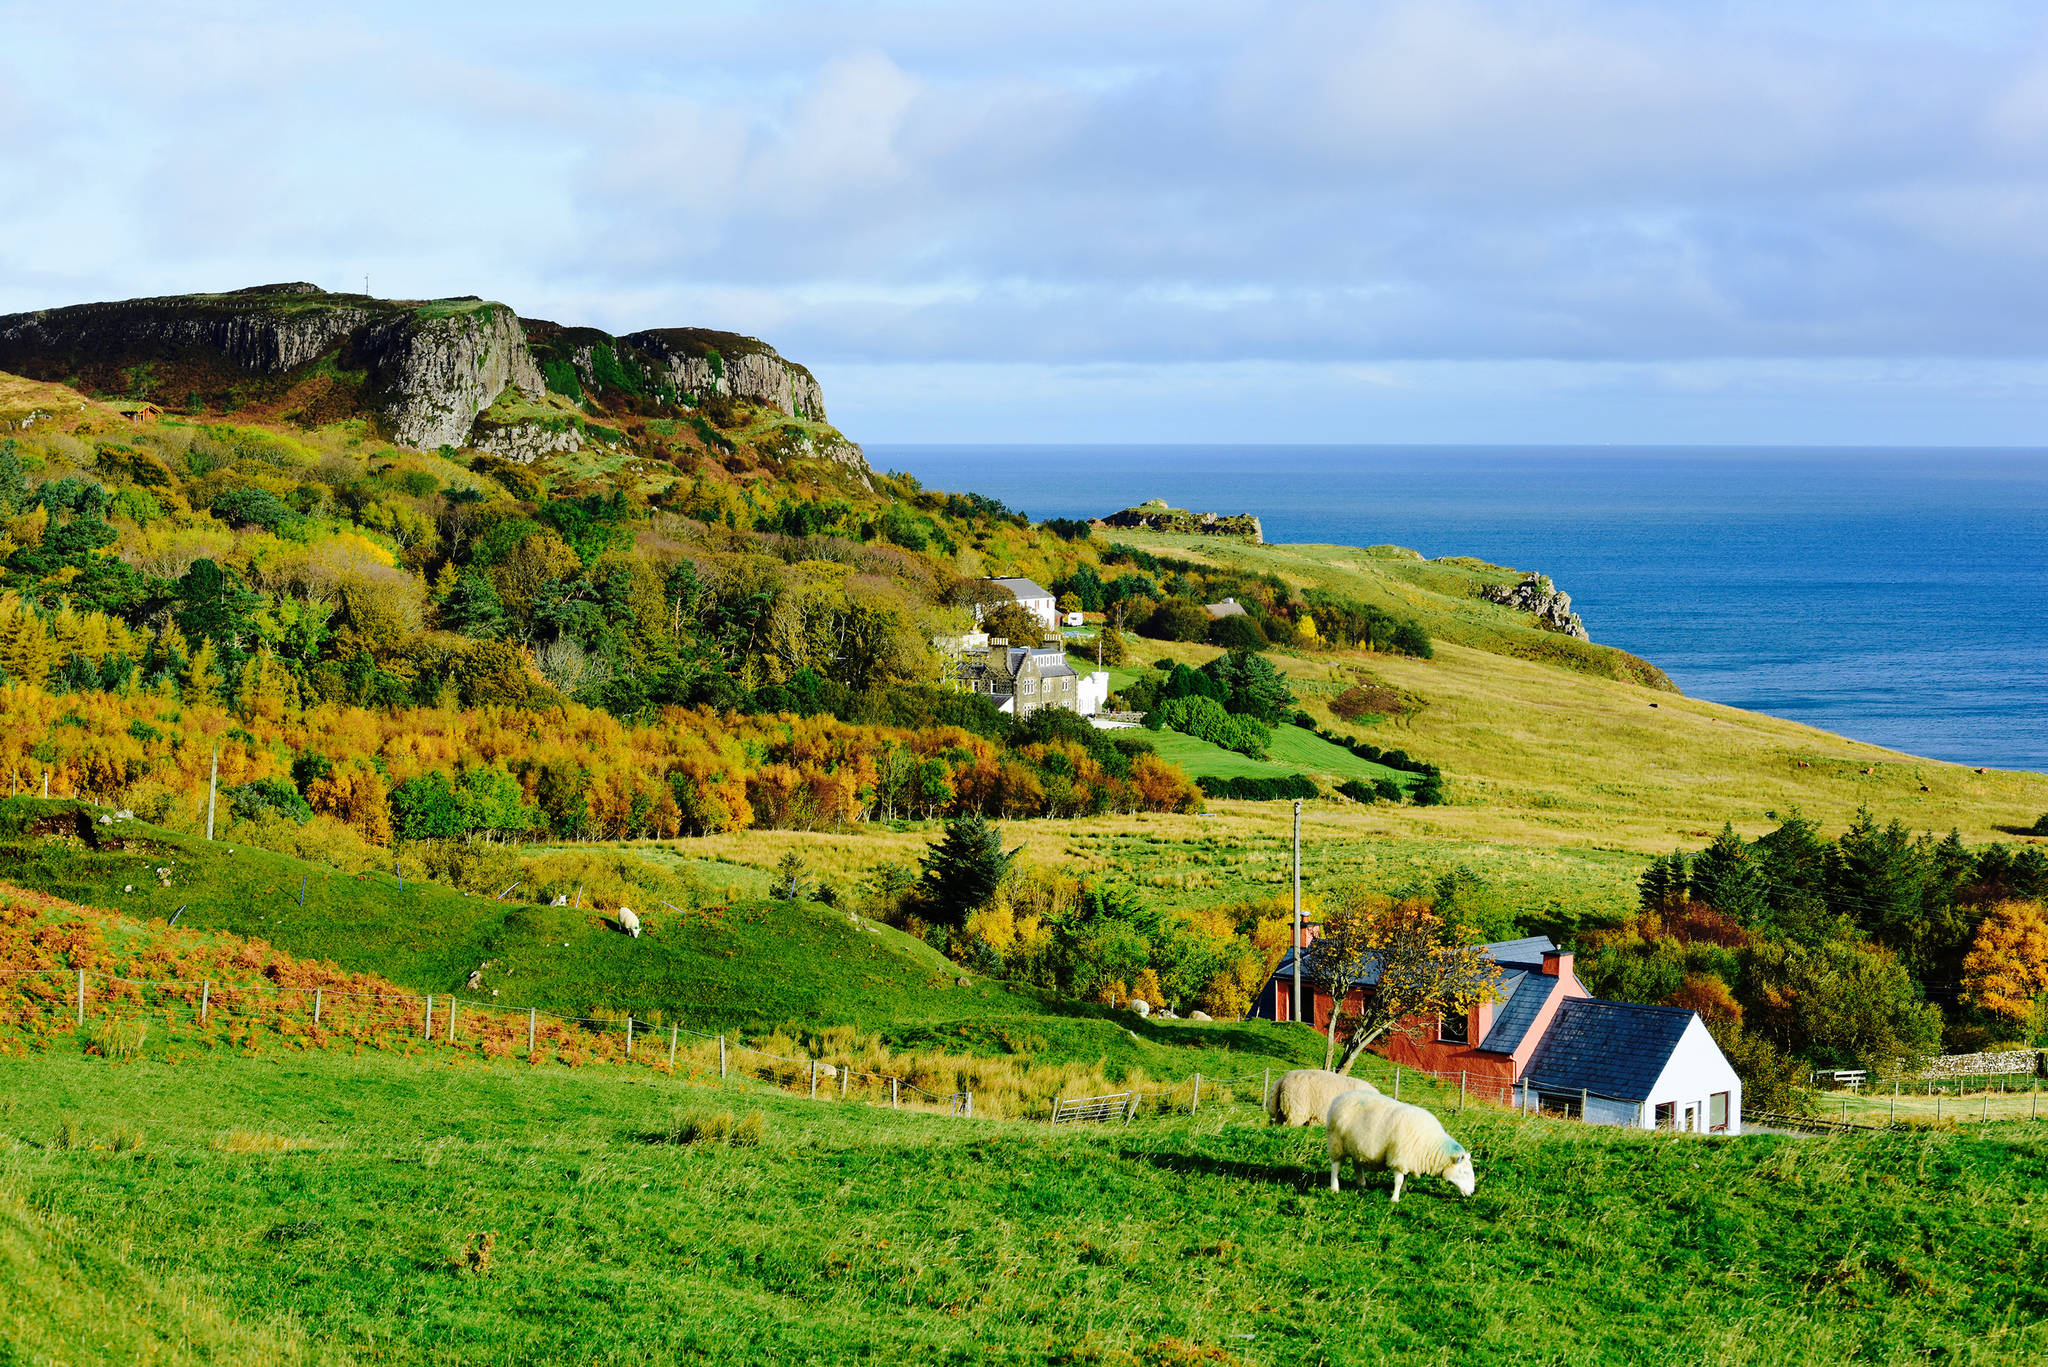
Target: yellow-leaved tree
x=1410, y=963
x=2006, y=969
x=353, y=793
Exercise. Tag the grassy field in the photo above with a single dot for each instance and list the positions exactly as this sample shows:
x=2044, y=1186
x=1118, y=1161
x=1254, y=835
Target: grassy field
x=2013, y=1098
x=1233, y=850
x=334, y=1209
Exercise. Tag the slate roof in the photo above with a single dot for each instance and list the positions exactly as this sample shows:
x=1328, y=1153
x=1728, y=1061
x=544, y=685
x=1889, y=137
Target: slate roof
x=1023, y=588
x=1229, y=607
x=1052, y=664
x=1611, y=1049
x=1527, y=952
x=1523, y=994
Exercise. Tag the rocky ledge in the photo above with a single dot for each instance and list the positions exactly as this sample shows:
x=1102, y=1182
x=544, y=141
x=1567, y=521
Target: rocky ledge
x=1156, y=516
x=1538, y=596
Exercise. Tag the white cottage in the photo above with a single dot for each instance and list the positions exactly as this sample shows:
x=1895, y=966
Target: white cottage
x=1630, y=1064
x=1033, y=599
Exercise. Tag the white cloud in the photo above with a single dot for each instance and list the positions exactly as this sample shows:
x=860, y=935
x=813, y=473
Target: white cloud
x=1355, y=188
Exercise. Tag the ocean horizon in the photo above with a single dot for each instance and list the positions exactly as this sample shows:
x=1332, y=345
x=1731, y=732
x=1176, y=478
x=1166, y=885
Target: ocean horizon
x=1890, y=595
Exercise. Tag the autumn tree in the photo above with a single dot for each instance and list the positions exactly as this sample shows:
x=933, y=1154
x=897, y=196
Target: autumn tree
x=1013, y=622
x=2006, y=969
x=353, y=793
x=1411, y=961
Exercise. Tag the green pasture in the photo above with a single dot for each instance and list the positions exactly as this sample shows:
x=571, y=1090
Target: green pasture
x=323, y=1208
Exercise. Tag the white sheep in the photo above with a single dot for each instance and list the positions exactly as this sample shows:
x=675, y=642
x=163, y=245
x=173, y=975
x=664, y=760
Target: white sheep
x=1141, y=1006
x=1303, y=1096
x=628, y=922
x=1379, y=1132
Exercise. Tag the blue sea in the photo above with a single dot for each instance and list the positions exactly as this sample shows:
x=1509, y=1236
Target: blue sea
x=1896, y=596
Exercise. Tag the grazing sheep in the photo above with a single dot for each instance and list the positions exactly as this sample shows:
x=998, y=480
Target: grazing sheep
x=1200, y=1016
x=628, y=922
x=1141, y=1006
x=1303, y=1096
x=1379, y=1132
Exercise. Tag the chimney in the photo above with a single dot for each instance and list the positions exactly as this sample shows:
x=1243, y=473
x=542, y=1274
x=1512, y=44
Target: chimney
x=1481, y=1020
x=1557, y=963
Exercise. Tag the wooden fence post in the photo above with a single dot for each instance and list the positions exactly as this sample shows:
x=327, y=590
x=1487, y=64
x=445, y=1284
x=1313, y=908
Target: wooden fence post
x=81, y=996
x=529, y=1029
x=721, y=1057
x=894, y=1103
x=316, y=1006
x=1193, y=1105
x=629, y=1034
x=843, y=1071
x=814, y=1079
x=453, y=1002
x=673, y=1031
x=1397, y=1082
x=205, y=993
x=427, y=1030
x=970, y=1105
x=1266, y=1090
x=1461, y=1091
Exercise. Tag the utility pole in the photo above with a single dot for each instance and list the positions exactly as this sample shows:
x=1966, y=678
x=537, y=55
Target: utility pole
x=212, y=787
x=1297, y=910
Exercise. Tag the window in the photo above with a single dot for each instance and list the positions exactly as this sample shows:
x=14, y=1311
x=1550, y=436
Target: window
x=1453, y=1029
x=1027, y=685
x=1717, y=1111
x=1667, y=1115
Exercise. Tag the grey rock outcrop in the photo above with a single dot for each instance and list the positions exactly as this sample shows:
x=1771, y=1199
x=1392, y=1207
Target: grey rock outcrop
x=1538, y=596
x=438, y=373
x=526, y=442
x=699, y=362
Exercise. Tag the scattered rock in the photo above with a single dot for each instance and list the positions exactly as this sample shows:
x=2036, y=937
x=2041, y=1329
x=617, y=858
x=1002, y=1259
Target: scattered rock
x=1200, y=1016
x=960, y=982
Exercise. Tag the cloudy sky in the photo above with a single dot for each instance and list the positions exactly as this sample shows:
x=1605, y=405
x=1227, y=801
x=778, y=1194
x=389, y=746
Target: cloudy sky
x=1553, y=221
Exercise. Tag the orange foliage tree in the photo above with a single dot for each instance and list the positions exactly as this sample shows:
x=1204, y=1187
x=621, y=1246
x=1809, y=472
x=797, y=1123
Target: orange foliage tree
x=2007, y=966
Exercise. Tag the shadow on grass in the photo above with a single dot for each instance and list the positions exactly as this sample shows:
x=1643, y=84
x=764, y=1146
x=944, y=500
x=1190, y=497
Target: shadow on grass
x=1286, y=1176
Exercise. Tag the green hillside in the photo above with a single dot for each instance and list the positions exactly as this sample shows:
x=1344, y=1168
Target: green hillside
x=750, y=966
x=1294, y=750
x=436, y=1214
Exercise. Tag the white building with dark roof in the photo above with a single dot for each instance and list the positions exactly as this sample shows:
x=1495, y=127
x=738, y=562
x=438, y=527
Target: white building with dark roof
x=1034, y=600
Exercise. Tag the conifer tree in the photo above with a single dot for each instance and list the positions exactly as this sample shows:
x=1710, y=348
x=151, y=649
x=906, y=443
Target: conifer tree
x=963, y=870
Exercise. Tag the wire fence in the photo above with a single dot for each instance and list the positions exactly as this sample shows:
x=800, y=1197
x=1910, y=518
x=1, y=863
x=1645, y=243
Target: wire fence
x=1254, y=1090
x=119, y=1012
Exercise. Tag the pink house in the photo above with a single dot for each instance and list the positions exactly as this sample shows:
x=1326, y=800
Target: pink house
x=1548, y=1042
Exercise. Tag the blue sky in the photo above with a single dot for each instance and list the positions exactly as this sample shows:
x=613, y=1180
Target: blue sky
x=1441, y=221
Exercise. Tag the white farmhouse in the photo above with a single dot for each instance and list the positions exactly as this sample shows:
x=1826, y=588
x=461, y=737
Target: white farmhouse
x=1034, y=600
x=1650, y=1067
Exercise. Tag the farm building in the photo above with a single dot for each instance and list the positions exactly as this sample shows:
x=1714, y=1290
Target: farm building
x=1547, y=1042
x=1229, y=607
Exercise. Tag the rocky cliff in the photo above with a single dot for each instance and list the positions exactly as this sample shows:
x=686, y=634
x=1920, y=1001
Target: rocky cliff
x=1538, y=596
x=1156, y=516
x=426, y=371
